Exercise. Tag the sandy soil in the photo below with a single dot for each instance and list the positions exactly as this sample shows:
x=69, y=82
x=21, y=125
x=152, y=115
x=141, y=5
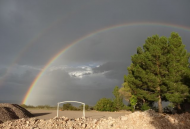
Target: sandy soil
x=48, y=114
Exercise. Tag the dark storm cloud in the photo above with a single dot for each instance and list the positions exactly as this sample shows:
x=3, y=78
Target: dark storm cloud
x=22, y=21
x=16, y=84
x=21, y=77
x=113, y=70
x=64, y=87
x=116, y=44
x=3, y=71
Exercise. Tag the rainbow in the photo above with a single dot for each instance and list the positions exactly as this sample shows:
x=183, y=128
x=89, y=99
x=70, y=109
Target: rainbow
x=27, y=46
x=39, y=35
x=55, y=57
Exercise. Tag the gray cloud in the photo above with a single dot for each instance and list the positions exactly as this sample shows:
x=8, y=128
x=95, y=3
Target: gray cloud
x=113, y=70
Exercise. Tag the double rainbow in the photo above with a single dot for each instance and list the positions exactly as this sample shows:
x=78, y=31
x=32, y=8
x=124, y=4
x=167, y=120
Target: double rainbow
x=90, y=35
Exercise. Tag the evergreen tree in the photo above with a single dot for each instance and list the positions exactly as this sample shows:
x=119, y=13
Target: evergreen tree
x=178, y=70
x=118, y=100
x=151, y=76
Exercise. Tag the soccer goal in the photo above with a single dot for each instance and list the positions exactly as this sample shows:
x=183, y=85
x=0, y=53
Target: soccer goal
x=71, y=102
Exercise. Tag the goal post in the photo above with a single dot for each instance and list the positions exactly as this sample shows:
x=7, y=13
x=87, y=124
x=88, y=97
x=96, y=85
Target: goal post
x=71, y=102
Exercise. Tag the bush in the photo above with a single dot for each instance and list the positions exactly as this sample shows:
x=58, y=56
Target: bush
x=27, y=106
x=128, y=108
x=68, y=106
x=43, y=107
x=91, y=108
x=105, y=104
x=81, y=107
x=170, y=108
x=145, y=107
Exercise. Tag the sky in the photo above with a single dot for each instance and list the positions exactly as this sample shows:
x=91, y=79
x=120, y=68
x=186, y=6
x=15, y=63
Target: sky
x=71, y=50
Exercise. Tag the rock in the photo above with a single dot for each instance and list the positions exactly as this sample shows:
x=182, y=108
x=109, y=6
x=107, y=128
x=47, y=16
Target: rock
x=123, y=118
x=84, y=125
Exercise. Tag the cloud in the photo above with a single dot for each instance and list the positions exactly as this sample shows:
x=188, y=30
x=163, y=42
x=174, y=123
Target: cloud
x=21, y=75
x=113, y=70
x=16, y=83
x=69, y=87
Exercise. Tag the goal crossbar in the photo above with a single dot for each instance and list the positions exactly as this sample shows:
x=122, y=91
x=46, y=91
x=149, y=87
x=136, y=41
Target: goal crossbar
x=71, y=102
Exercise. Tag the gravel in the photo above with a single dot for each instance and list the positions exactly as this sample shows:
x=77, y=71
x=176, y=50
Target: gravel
x=12, y=111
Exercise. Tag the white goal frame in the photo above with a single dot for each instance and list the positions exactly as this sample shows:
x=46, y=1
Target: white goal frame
x=71, y=102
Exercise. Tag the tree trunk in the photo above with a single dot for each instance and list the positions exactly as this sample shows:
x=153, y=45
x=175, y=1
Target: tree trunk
x=179, y=108
x=159, y=104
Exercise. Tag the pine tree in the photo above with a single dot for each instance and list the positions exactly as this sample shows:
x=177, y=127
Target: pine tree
x=152, y=74
x=178, y=70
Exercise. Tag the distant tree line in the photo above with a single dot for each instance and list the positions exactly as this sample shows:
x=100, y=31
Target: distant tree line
x=66, y=106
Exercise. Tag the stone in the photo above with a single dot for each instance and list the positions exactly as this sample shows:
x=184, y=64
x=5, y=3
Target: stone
x=123, y=118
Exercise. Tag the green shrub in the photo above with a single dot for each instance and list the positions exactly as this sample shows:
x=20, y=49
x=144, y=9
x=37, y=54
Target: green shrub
x=27, y=106
x=81, y=107
x=43, y=106
x=105, y=104
x=145, y=107
x=128, y=108
x=133, y=102
x=67, y=106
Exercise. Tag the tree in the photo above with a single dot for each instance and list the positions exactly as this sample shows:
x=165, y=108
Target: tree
x=118, y=100
x=125, y=90
x=151, y=76
x=178, y=70
x=105, y=104
x=145, y=73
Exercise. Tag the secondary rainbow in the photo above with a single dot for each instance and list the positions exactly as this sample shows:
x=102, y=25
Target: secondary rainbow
x=90, y=35
x=34, y=40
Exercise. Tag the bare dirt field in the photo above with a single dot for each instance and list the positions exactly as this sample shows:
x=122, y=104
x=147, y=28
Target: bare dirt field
x=48, y=114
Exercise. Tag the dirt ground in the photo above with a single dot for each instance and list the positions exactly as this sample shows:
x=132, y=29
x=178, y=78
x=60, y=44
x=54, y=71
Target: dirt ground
x=48, y=114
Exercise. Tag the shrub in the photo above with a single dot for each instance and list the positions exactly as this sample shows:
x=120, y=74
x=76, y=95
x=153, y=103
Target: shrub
x=91, y=108
x=133, y=102
x=170, y=108
x=105, y=104
x=43, y=107
x=81, y=107
x=145, y=107
x=68, y=106
x=27, y=106
x=128, y=108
